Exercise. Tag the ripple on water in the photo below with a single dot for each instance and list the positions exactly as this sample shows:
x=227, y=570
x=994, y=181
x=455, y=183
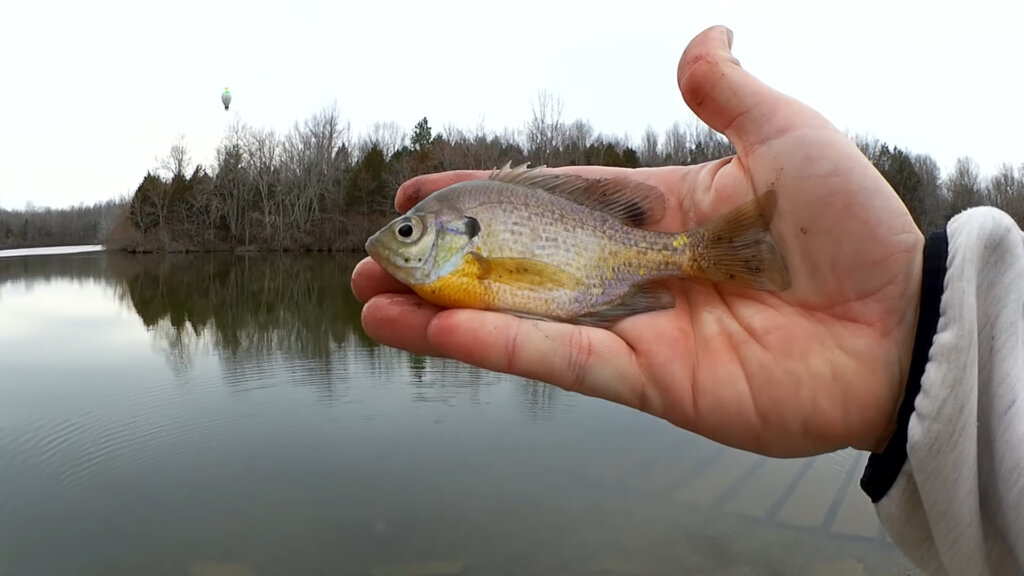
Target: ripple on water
x=146, y=424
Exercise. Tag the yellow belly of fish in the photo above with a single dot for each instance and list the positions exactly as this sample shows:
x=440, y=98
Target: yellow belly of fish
x=456, y=292
x=494, y=283
x=462, y=288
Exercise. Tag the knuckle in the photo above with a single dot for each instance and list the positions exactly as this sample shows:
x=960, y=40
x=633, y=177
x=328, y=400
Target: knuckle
x=580, y=353
x=513, y=350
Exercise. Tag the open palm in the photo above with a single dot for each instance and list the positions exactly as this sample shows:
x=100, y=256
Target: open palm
x=815, y=368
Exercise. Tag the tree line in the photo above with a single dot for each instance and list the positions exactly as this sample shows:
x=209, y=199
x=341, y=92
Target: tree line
x=318, y=186
x=33, y=227
x=933, y=198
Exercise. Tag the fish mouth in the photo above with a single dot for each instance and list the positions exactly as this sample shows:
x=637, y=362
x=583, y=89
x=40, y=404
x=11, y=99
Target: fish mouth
x=372, y=247
x=380, y=253
x=379, y=256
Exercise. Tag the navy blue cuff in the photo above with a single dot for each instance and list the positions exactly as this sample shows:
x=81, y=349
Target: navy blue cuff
x=883, y=468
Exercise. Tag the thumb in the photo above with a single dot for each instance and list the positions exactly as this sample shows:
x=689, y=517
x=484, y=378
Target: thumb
x=729, y=99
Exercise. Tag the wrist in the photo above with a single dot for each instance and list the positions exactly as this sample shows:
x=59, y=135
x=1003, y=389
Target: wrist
x=888, y=457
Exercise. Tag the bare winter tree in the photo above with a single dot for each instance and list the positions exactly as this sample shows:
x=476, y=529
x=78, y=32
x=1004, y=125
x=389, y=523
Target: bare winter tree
x=933, y=202
x=488, y=151
x=178, y=161
x=1005, y=190
x=229, y=192
x=388, y=136
x=677, y=145
x=262, y=148
x=453, y=149
x=579, y=135
x=545, y=131
x=963, y=187
x=650, y=154
x=308, y=155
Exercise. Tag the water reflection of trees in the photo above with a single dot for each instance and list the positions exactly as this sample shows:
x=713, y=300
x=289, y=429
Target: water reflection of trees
x=446, y=381
x=243, y=307
x=30, y=269
x=449, y=381
x=271, y=316
x=265, y=317
x=541, y=400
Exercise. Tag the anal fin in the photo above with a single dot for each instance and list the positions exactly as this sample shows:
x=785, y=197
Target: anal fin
x=643, y=298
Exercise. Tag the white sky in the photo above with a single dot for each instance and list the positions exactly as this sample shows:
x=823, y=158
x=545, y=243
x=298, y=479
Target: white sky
x=94, y=92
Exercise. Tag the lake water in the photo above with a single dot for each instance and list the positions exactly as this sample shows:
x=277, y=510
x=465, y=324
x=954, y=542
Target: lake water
x=219, y=414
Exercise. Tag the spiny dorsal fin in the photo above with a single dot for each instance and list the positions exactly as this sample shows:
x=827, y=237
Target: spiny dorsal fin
x=632, y=203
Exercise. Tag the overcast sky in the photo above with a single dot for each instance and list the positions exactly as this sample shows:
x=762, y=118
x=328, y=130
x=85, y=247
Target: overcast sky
x=94, y=92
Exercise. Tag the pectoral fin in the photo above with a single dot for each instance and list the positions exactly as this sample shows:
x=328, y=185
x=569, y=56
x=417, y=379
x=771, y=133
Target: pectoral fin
x=521, y=272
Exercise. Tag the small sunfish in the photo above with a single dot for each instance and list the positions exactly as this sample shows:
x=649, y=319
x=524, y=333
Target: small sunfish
x=567, y=248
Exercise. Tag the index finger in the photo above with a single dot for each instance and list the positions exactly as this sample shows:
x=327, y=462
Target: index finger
x=581, y=359
x=419, y=187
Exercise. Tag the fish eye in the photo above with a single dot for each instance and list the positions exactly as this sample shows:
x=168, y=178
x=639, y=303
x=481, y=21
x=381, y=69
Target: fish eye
x=408, y=229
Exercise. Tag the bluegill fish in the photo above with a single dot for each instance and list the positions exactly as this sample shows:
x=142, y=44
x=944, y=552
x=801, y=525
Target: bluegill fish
x=568, y=248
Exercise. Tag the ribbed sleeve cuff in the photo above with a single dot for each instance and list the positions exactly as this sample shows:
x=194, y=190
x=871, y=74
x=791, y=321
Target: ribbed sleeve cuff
x=883, y=468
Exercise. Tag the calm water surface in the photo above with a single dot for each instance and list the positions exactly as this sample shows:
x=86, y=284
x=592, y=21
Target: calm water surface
x=225, y=414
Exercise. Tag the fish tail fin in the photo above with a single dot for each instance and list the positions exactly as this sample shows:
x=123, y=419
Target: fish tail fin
x=737, y=248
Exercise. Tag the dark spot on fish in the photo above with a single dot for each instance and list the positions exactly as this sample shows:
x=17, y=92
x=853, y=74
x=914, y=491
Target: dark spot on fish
x=803, y=230
x=472, y=227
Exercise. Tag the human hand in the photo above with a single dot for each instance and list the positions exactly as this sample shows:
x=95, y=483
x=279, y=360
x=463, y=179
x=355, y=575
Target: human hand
x=816, y=368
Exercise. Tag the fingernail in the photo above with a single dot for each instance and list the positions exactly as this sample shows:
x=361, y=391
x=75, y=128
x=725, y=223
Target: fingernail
x=728, y=34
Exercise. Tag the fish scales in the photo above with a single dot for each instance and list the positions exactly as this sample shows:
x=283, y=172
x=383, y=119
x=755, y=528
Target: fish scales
x=607, y=257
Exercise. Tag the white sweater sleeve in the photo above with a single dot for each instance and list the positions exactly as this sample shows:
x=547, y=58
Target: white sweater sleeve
x=949, y=488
